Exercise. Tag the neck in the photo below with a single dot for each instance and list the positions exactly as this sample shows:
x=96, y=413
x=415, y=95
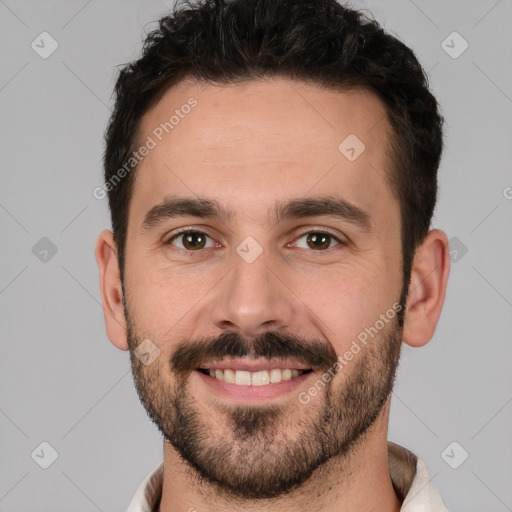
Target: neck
x=359, y=481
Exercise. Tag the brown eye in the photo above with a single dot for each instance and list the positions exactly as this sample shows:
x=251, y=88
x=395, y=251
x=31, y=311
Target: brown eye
x=190, y=240
x=318, y=240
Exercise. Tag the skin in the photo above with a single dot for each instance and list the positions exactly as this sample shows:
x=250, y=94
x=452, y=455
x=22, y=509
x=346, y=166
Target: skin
x=248, y=146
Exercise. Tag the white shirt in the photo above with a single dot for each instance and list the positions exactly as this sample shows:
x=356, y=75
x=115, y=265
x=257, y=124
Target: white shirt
x=408, y=472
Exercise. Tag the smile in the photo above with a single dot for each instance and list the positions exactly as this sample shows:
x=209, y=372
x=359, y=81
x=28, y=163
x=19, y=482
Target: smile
x=257, y=378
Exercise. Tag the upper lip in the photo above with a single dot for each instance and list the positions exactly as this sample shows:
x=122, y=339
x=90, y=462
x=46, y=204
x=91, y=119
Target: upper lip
x=254, y=365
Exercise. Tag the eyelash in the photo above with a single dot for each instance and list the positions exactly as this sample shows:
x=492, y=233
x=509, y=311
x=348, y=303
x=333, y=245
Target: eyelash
x=195, y=231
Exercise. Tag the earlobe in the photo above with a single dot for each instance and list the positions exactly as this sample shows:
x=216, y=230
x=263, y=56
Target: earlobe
x=111, y=290
x=427, y=289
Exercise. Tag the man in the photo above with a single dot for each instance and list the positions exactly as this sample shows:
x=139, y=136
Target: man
x=271, y=173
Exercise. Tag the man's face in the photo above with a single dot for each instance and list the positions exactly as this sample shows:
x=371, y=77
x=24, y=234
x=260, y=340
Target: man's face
x=290, y=288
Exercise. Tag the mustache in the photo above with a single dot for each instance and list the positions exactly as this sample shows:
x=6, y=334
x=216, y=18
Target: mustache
x=192, y=354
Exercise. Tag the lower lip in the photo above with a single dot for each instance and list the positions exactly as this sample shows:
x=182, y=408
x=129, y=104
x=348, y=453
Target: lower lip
x=252, y=393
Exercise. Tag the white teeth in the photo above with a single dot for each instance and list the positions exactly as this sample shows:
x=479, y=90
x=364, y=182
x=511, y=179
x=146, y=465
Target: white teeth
x=259, y=378
x=275, y=375
x=286, y=374
x=229, y=376
x=243, y=378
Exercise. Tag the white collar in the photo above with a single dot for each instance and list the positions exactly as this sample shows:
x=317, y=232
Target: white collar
x=409, y=475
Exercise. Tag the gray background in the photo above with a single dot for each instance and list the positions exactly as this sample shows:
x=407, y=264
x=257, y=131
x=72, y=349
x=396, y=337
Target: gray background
x=63, y=382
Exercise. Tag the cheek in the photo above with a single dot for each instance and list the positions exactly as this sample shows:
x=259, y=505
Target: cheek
x=347, y=302
x=163, y=299
x=152, y=301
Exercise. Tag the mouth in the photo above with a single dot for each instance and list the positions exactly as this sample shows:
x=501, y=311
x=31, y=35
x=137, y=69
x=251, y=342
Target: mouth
x=245, y=380
x=263, y=377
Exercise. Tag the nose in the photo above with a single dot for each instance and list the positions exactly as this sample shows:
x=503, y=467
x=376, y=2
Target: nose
x=253, y=298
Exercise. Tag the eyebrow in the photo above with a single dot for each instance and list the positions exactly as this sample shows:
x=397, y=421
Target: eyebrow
x=172, y=207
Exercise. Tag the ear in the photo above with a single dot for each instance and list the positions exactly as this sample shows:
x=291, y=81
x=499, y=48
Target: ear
x=111, y=291
x=427, y=289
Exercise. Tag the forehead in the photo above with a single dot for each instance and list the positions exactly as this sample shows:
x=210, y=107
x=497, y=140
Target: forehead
x=264, y=140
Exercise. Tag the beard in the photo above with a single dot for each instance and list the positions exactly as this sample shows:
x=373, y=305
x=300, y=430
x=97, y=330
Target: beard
x=265, y=451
